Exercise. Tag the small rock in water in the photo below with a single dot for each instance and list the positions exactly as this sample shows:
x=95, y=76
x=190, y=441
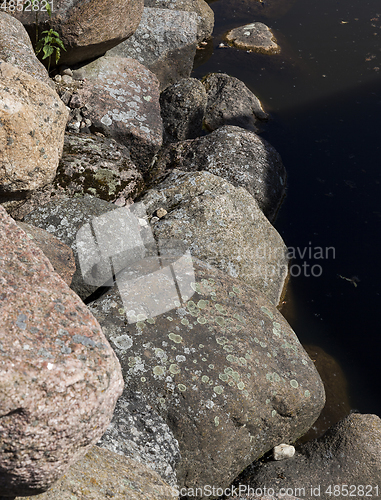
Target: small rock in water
x=283, y=451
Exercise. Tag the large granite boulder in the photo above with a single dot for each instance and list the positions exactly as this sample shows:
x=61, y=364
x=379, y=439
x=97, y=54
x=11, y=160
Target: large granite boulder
x=239, y=156
x=182, y=110
x=63, y=218
x=16, y=49
x=345, y=462
x=205, y=15
x=32, y=125
x=102, y=474
x=223, y=368
x=59, y=377
x=165, y=42
x=230, y=102
x=122, y=97
x=88, y=28
x=139, y=432
x=222, y=225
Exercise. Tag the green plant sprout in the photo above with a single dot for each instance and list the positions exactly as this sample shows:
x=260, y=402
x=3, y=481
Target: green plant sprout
x=51, y=43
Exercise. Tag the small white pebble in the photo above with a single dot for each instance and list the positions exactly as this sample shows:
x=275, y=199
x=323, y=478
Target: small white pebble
x=283, y=451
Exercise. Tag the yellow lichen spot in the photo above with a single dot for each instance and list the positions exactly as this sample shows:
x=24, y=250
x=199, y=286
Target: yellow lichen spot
x=220, y=308
x=220, y=321
x=221, y=340
x=235, y=376
x=307, y=394
x=245, y=392
x=143, y=379
x=239, y=317
x=205, y=379
x=121, y=310
x=243, y=361
x=201, y=346
x=204, y=359
x=228, y=348
x=216, y=421
x=151, y=321
x=185, y=322
x=174, y=369
x=294, y=384
x=276, y=332
x=273, y=413
x=211, y=366
x=228, y=370
x=175, y=338
x=231, y=383
x=267, y=312
x=169, y=318
x=241, y=386
x=201, y=320
x=140, y=324
x=158, y=370
x=224, y=377
x=182, y=387
x=218, y=389
x=231, y=294
x=236, y=290
x=201, y=304
x=177, y=303
x=141, y=317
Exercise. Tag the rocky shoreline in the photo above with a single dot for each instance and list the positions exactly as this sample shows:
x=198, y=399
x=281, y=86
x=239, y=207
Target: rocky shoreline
x=142, y=351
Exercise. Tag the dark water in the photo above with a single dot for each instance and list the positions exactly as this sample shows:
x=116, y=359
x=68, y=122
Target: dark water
x=324, y=96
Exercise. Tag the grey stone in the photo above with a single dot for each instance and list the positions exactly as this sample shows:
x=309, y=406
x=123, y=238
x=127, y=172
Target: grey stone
x=204, y=13
x=223, y=368
x=237, y=155
x=122, y=97
x=230, y=102
x=222, y=225
x=348, y=456
x=102, y=474
x=165, y=42
x=182, y=110
x=63, y=218
x=60, y=379
x=139, y=432
x=16, y=49
x=255, y=37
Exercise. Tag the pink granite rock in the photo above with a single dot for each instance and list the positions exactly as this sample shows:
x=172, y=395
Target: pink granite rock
x=32, y=126
x=123, y=98
x=59, y=377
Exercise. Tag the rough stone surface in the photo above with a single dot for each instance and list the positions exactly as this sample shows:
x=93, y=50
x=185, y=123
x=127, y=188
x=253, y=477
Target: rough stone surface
x=139, y=432
x=204, y=13
x=16, y=49
x=102, y=474
x=32, y=125
x=60, y=379
x=182, y=110
x=230, y=102
x=239, y=156
x=256, y=37
x=60, y=255
x=165, y=42
x=123, y=101
x=89, y=165
x=348, y=454
x=88, y=28
x=63, y=218
x=224, y=370
x=222, y=225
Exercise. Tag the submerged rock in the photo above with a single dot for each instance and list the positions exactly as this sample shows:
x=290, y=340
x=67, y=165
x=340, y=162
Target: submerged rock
x=241, y=157
x=60, y=379
x=165, y=42
x=103, y=474
x=223, y=368
x=256, y=37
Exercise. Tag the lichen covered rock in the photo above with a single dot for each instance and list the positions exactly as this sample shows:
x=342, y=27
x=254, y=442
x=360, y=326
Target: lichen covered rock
x=223, y=369
x=256, y=37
